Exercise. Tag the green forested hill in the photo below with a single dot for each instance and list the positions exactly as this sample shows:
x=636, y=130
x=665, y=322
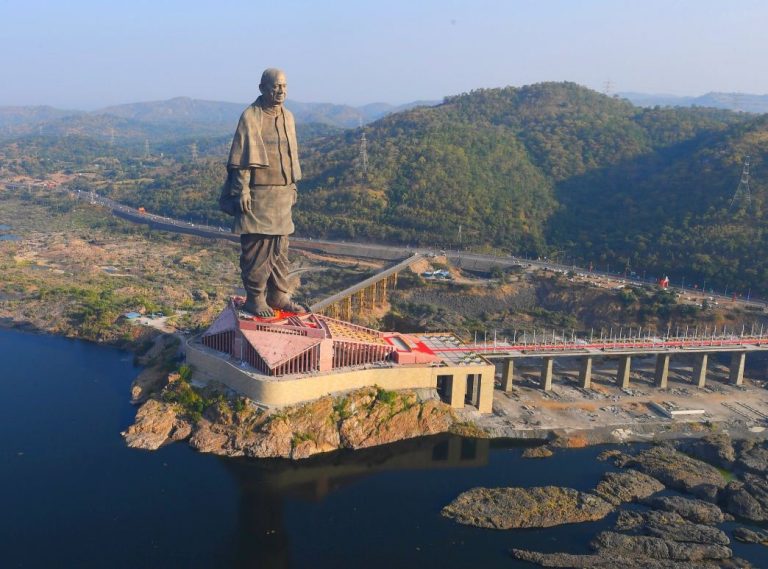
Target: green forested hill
x=669, y=211
x=549, y=169
x=552, y=167
x=427, y=177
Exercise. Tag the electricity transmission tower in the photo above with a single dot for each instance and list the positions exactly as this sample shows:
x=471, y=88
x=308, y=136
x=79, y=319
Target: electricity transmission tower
x=363, y=156
x=193, y=148
x=742, y=196
x=146, y=148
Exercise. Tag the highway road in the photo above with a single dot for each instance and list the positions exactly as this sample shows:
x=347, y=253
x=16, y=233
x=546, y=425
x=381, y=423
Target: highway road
x=463, y=259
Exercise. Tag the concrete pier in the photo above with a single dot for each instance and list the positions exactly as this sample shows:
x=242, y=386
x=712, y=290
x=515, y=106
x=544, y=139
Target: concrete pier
x=625, y=364
x=457, y=389
x=507, y=375
x=473, y=389
x=585, y=373
x=546, y=373
x=700, y=370
x=485, y=395
x=662, y=371
x=736, y=377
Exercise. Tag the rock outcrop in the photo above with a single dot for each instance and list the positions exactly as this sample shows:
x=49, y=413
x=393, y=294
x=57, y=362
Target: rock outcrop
x=364, y=418
x=697, y=511
x=156, y=424
x=714, y=449
x=753, y=457
x=537, y=507
x=149, y=381
x=369, y=424
x=602, y=561
x=628, y=486
x=670, y=526
x=679, y=471
x=747, y=535
x=747, y=499
x=538, y=452
x=613, y=543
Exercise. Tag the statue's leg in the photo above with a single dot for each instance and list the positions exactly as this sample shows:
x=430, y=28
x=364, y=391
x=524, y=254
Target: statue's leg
x=278, y=288
x=255, y=267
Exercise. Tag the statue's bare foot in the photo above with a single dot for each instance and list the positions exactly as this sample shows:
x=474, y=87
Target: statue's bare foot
x=285, y=303
x=258, y=307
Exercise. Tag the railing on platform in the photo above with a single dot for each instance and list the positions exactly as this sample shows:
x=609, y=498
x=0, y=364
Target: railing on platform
x=552, y=343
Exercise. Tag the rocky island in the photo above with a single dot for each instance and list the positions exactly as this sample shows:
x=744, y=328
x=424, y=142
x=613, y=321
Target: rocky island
x=214, y=423
x=706, y=482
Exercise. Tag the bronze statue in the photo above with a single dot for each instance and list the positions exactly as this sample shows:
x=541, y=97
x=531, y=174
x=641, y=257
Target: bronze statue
x=263, y=169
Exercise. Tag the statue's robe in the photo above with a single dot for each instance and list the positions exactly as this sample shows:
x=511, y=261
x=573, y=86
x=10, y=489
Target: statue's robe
x=267, y=165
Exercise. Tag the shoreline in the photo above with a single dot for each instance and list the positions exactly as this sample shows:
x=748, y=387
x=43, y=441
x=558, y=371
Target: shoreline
x=493, y=427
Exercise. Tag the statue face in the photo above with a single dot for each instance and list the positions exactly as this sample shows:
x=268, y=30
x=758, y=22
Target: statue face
x=274, y=90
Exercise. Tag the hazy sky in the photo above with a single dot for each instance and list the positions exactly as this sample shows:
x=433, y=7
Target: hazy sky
x=87, y=54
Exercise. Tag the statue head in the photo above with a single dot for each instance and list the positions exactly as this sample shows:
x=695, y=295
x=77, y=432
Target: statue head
x=273, y=87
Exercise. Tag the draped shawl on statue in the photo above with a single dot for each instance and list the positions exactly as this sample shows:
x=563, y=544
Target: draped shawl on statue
x=248, y=149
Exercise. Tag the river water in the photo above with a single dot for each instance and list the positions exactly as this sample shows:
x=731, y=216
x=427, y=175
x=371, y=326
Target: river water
x=5, y=236
x=73, y=495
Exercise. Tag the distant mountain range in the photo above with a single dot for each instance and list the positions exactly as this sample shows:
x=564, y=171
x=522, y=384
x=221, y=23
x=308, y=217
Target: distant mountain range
x=180, y=117
x=183, y=117
x=744, y=102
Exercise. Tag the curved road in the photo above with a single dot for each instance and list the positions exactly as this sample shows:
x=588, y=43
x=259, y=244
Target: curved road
x=462, y=259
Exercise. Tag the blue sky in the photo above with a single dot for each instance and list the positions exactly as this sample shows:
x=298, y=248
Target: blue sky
x=87, y=54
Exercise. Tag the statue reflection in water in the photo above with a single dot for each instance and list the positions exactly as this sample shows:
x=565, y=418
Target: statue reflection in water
x=267, y=485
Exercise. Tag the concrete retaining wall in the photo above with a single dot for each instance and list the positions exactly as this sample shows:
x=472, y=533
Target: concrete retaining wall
x=211, y=366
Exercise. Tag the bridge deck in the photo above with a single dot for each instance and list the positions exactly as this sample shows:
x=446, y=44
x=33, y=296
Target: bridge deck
x=362, y=285
x=621, y=347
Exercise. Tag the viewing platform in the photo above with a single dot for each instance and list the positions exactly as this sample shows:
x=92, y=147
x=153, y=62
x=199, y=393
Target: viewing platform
x=292, y=358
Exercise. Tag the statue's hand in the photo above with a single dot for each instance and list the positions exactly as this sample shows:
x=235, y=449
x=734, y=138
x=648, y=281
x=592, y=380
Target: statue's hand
x=245, y=202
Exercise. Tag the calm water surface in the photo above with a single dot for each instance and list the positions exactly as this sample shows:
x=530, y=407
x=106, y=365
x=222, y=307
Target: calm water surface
x=73, y=495
x=7, y=236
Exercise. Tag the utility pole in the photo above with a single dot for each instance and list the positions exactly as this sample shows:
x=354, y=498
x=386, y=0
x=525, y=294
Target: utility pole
x=742, y=196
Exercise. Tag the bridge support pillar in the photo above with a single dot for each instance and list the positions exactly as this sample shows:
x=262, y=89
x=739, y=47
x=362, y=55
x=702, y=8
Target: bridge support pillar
x=585, y=372
x=625, y=366
x=700, y=370
x=738, y=359
x=662, y=370
x=507, y=374
x=546, y=374
x=473, y=385
x=457, y=390
x=484, y=382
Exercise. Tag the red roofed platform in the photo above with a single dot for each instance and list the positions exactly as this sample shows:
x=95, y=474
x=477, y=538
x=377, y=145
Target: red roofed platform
x=291, y=343
x=290, y=358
